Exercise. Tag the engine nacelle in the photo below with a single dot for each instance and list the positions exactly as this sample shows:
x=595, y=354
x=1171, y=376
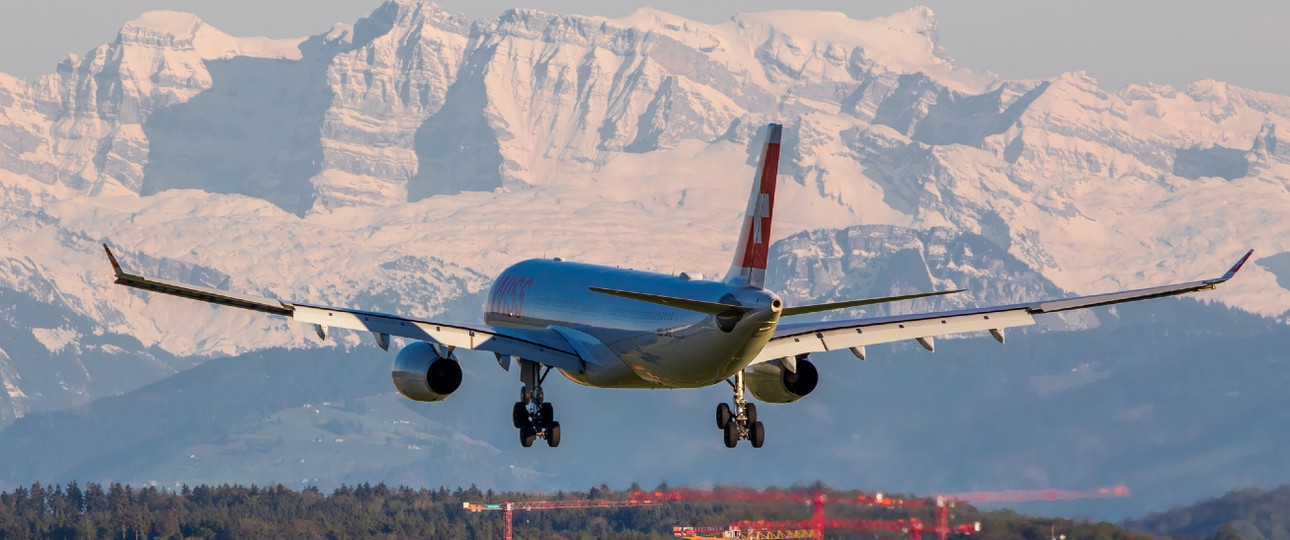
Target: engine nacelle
x=771, y=382
x=421, y=374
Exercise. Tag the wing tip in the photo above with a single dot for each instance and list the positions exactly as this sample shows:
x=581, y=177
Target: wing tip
x=116, y=266
x=1237, y=267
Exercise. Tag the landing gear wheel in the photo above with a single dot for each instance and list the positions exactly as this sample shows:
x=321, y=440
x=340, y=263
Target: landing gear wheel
x=732, y=434
x=519, y=414
x=532, y=415
x=553, y=434
x=757, y=434
x=547, y=412
x=740, y=421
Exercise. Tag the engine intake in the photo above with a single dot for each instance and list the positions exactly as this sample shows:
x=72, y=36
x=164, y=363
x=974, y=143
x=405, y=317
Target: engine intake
x=421, y=374
x=771, y=382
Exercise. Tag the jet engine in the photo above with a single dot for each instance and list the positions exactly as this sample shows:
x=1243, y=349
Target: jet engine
x=772, y=382
x=421, y=373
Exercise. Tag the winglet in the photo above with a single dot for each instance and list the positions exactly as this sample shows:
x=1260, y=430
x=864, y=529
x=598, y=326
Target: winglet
x=116, y=266
x=1236, y=267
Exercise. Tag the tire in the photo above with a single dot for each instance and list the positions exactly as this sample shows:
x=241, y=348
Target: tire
x=527, y=436
x=750, y=410
x=519, y=414
x=723, y=415
x=732, y=435
x=553, y=435
x=547, y=412
x=526, y=395
x=758, y=434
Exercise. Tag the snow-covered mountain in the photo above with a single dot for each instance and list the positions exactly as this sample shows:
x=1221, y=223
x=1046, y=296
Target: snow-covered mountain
x=400, y=162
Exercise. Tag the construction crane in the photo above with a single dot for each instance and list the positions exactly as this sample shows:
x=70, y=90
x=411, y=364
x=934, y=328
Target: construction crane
x=813, y=498
x=509, y=508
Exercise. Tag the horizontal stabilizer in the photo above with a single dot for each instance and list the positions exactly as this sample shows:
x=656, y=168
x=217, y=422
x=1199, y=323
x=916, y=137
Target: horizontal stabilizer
x=816, y=308
x=700, y=306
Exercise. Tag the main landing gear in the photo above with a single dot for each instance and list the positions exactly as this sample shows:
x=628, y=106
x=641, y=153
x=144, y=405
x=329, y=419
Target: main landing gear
x=532, y=415
x=741, y=422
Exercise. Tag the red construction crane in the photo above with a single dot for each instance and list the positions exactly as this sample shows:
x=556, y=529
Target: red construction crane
x=509, y=508
x=817, y=499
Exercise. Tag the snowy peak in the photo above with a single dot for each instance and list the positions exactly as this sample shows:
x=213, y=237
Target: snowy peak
x=918, y=20
x=399, y=16
x=162, y=29
x=179, y=31
x=903, y=43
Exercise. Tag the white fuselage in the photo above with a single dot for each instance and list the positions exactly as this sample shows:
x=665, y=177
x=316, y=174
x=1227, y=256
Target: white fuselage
x=651, y=345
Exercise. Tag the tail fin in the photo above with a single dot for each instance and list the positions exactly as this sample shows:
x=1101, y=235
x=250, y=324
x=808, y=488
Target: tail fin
x=749, y=265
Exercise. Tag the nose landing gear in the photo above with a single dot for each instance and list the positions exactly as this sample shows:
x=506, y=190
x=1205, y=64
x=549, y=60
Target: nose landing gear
x=740, y=422
x=532, y=414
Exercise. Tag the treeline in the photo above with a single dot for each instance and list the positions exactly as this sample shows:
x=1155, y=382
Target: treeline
x=366, y=511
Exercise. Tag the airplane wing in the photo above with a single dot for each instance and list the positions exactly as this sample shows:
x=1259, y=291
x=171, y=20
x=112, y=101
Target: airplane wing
x=791, y=340
x=542, y=346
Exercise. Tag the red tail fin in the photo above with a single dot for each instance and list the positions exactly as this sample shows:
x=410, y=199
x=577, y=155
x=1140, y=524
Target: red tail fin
x=749, y=265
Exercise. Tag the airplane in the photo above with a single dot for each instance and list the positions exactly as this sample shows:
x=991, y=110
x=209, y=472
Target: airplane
x=610, y=327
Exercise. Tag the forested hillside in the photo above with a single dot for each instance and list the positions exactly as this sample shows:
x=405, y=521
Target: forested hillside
x=1253, y=514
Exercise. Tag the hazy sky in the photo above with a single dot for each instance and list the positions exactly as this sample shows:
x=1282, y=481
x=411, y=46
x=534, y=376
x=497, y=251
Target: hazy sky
x=1246, y=42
